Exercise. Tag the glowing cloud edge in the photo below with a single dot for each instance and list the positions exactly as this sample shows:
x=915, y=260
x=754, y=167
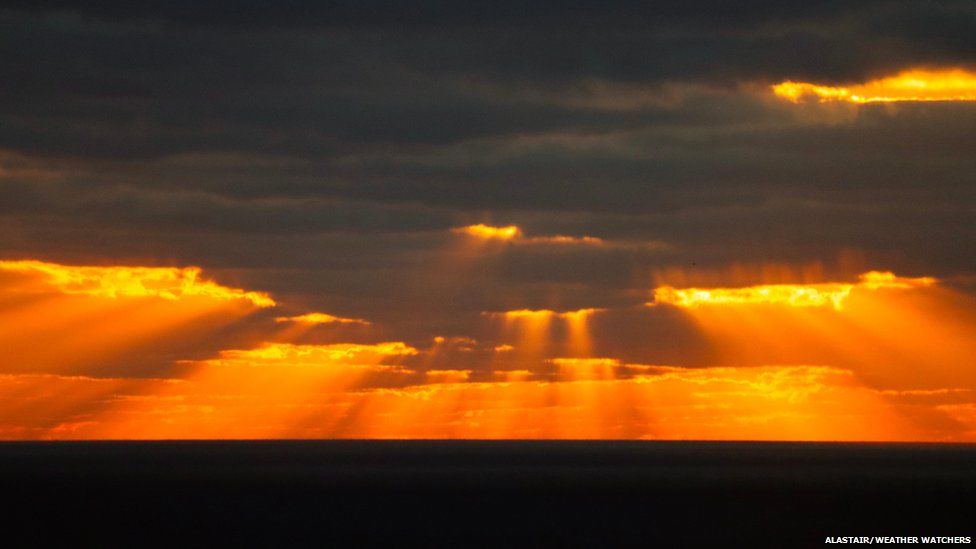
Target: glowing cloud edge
x=793, y=295
x=912, y=85
x=170, y=283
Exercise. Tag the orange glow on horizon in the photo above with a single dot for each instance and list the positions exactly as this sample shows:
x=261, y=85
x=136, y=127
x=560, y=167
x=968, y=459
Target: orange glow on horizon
x=908, y=85
x=882, y=358
x=265, y=392
x=770, y=403
x=763, y=403
x=448, y=376
x=580, y=369
x=512, y=375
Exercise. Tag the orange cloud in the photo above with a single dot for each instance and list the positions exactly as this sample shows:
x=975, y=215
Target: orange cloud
x=793, y=295
x=575, y=369
x=516, y=314
x=883, y=358
x=533, y=330
x=287, y=354
x=894, y=333
x=448, y=376
x=481, y=230
x=514, y=234
x=320, y=318
x=104, y=320
x=770, y=403
x=908, y=85
x=272, y=391
x=311, y=392
x=172, y=283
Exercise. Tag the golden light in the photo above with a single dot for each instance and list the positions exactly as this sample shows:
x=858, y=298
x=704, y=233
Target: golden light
x=766, y=403
x=880, y=358
x=875, y=280
x=580, y=340
x=321, y=318
x=481, y=230
x=512, y=375
x=47, y=406
x=530, y=328
x=170, y=283
x=70, y=319
x=266, y=392
x=533, y=330
x=514, y=234
x=447, y=376
x=902, y=337
x=545, y=313
x=311, y=355
x=280, y=398
x=785, y=294
x=908, y=85
x=577, y=369
x=793, y=295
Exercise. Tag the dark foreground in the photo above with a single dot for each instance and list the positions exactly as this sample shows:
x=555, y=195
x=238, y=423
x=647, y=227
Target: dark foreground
x=464, y=494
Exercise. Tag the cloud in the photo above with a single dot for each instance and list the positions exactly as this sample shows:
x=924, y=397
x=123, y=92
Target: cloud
x=320, y=318
x=918, y=85
x=775, y=402
x=335, y=158
x=393, y=389
x=514, y=234
x=172, y=283
x=285, y=354
x=792, y=295
x=481, y=230
x=117, y=320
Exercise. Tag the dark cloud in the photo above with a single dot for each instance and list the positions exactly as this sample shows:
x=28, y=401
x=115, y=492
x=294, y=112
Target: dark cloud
x=443, y=13
x=322, y=79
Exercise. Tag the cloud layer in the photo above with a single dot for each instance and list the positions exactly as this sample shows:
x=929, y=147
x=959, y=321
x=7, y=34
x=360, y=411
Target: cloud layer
x=207, y=179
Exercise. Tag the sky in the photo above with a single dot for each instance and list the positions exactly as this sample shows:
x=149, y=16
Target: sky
x=465, y=219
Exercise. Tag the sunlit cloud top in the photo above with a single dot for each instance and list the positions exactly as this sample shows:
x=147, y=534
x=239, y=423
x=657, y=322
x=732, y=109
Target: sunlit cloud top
x=280, y=354
x=542, y=313
x=481, y=230
x=874, y=280
x=172, y=283
x=909, y=85
x=793, y=295
x=320, y=318
x=514, y=234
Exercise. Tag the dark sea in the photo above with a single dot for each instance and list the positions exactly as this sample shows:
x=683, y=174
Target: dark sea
x=480, y=494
